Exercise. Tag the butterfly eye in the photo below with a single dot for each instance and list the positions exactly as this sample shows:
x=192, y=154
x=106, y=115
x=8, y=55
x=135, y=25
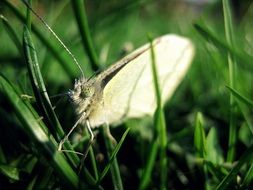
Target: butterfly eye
x=87, y=92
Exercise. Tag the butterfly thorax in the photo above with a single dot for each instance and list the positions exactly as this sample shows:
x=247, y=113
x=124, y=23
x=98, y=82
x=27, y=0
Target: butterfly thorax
x=85, y=96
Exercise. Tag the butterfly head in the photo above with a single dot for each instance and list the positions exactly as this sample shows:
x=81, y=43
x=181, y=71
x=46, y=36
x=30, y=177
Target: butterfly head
x=82, y=94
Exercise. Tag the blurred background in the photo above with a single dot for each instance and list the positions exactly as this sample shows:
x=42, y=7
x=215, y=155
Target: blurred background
x=117, y=27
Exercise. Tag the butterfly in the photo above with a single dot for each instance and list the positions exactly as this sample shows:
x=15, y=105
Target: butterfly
x=126, y=90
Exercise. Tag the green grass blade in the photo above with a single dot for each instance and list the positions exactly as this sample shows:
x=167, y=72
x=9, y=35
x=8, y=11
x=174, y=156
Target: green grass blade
x=34, y=128
x=48, y=43
x=146, y=173
x=82, y=21
x=93, y=163
x=199, y=137
x=215, y=171
x=200, y=144
x=242, y=100
x=42, y=180
x=228, y=22
x=232, y=65
x=159, y=121
x=11, y=32
x=213, y=149
x=161, y=141
x=113, y=156
x=85, y=140
x=13, y=173
x=113, y=163
x=247, y=116
x=246, y=158
x=248, y=178
x=28, y=16
x=155, y=77
x=240, y=97
x=209, y=36
x=41, y=92
x=28, y=116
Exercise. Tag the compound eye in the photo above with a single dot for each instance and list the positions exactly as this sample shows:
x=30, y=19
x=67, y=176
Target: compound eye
x=87, y=92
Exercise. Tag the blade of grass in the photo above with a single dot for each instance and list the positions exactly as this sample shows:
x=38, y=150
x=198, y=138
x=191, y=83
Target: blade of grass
x=248, y=178
x=113, y=156
x=82, y=21
x=243, y=99
x=179, y=135
x=55, y=36
x=146, y=173
x=93, y=163
x=246, y=158
x=48, y=43
x=113, y=163
x=232, y=65
x=92, y=158
x=249, y=175
x=12, y=34
x=217, y=173
x=40, y=92
x=28, y=16
x=35, y=129
x=223, y=45
x=213, y=150
x=199, y=137
x=13, y=173
x=118, y=10
x=43, y=179
x=200, y=145
x=247, y=116
x=160, y=123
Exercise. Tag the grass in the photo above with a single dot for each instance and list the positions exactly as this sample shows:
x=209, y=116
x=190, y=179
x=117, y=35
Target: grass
x=207, y=141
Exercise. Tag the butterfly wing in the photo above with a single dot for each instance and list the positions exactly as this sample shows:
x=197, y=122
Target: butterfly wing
x=130, y=92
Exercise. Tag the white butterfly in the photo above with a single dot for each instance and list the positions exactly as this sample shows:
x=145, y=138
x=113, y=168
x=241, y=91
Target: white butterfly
x=126, y=90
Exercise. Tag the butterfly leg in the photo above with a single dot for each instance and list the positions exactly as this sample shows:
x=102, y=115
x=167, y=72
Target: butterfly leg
x=91, y=139
x=88, y=145
x=109, y=135
x=67, y=136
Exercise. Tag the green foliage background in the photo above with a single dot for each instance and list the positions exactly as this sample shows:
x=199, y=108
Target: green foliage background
x=209, y=125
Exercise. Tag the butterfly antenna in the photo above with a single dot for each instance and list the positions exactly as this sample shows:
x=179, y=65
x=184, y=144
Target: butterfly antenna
x=55, y=35
x=62, y=96
x=59, y=95
x=94, y=74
